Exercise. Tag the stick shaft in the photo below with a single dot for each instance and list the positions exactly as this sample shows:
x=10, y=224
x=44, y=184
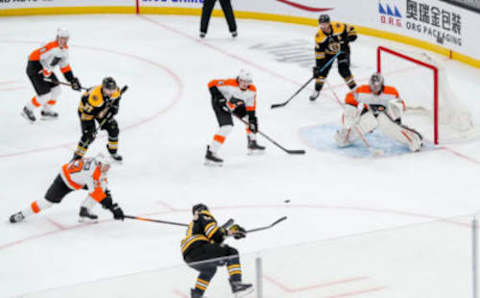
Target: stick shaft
x=156, y=220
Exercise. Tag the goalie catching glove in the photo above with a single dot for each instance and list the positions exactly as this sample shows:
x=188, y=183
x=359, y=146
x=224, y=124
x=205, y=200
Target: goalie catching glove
x=237, y=232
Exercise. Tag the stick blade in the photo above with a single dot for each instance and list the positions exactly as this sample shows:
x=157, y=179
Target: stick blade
x=277, y=105
x=296, y=151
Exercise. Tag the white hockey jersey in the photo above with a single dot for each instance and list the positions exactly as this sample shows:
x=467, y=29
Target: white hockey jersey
x=50, y=56
x=232, y=92
x=85, y=172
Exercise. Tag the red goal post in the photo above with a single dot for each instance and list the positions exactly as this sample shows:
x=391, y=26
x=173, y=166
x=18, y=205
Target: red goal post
x=382, y=50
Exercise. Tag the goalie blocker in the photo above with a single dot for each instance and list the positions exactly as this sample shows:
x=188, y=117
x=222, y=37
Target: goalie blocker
x=376, y=106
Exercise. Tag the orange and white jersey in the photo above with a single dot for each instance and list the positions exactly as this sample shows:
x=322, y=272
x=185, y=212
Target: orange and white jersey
x=85, y=172
x=51, y=55
x=232, y=92
x=363, y=94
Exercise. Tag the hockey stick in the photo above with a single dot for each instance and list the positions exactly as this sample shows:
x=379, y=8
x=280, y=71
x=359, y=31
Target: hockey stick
x=272, y=141
x=277, y=105
x=63, y=83
x=156, y=220
x=267, y=227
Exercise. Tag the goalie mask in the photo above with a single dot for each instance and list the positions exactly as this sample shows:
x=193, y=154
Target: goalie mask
x=376, y=83
x=198, y=208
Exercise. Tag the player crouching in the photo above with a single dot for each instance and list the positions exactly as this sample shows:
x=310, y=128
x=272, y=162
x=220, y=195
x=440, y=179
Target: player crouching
x=203, y=250
x=376, y=105
x=85, y=173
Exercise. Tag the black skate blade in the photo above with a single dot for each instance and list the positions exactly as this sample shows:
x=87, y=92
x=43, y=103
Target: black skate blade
x=244, y=293
x=26, y=118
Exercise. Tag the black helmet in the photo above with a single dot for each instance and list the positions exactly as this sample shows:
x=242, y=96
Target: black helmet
x=109, y=83
x=324, y=18
x=199, y=207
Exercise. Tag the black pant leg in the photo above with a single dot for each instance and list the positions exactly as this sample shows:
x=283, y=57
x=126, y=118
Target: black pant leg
x=57, y=191
x=206, y=14
x=113, y=131
x=223, y=117
x=228, y=11
x=320, y=80
x=34, y=73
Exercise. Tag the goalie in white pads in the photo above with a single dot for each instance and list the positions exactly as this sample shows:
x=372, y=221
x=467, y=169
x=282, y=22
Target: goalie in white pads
x=376, y=105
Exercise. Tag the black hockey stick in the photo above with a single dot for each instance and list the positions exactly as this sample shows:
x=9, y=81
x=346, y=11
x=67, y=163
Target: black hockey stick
x=267, y=227
x=277, y=105
x=62, y=83
x=156, y=220
x=272, y=141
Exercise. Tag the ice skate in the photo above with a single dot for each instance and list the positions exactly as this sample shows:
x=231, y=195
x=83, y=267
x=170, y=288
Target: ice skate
x=211, y=159
x=86, y=217
x=240, y=289
x=314, y=95
x=17, y=217
x=254, y=148
x=48, y=115
x=28, y=114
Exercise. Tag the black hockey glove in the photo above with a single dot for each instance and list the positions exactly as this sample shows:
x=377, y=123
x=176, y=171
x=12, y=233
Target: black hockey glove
x=237, y=232
x=117, y=212
x=316, y=71
x=253, y=123
x=240, y=111
x=75, y=84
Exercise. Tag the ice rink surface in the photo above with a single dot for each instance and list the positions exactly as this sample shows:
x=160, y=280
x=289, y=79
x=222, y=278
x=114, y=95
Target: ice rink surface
x=166, y=121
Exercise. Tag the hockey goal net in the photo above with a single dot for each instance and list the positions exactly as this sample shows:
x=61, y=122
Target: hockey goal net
x=432, y=106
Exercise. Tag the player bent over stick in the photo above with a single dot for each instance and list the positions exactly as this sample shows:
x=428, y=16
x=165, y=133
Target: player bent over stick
x=237, y=96
x=41, y=64
x=86, y=173
x=376, y=105
x=203, y=242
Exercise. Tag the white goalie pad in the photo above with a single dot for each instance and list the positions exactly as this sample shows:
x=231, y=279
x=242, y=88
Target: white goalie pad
x=364, y=124
x=401, y=133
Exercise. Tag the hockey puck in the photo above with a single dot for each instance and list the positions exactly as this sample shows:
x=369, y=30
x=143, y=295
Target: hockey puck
x=286, y=201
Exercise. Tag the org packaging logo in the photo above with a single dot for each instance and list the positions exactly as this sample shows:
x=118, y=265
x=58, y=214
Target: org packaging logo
x=389, y=14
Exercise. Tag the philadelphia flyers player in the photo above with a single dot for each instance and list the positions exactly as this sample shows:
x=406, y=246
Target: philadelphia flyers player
x=236, y=96
x=376, y=105
x=85, y=173
x=40, y=67
x=203, y=242
x=331, y=38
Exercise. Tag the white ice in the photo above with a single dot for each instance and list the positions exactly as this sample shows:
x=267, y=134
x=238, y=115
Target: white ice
x=166, y=122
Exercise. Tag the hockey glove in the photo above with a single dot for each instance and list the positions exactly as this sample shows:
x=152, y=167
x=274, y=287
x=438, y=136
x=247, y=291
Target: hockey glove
x=253, y=124
x=117, y=212
x=237, y=232
x=75, y=84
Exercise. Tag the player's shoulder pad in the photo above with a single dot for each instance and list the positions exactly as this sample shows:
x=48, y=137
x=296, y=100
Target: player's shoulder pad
x=116, y=94
x=206, y=215
x=252, y=87
x=320, y=36
x=363, y=89
x=338, y=28
x=390, y=90
x=96, y=98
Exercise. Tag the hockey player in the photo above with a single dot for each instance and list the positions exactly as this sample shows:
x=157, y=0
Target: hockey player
x=237, y=96
x=101, y=104
x=376, y=105
x=329, y=40
x=87, y=173
x=41, y=64
x=203, y=242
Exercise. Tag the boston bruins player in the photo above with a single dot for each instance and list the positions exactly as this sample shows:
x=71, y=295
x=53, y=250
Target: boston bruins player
x=204, y=242
x=100, y=104
x=330, y=39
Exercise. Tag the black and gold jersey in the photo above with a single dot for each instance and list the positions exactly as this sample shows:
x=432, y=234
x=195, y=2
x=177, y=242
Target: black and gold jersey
x=331, y=43
x=202, y=230
x=95, y=105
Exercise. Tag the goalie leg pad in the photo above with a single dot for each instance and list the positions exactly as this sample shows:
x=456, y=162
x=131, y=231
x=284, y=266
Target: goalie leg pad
x=344, y=137
x=401, y=133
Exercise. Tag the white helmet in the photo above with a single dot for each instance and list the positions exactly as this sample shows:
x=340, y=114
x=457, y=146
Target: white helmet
x=245, y=75
x=62, y=33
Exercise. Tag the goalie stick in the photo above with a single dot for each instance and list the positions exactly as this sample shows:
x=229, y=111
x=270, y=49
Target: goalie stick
x=277, y=105
x=271, y=140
